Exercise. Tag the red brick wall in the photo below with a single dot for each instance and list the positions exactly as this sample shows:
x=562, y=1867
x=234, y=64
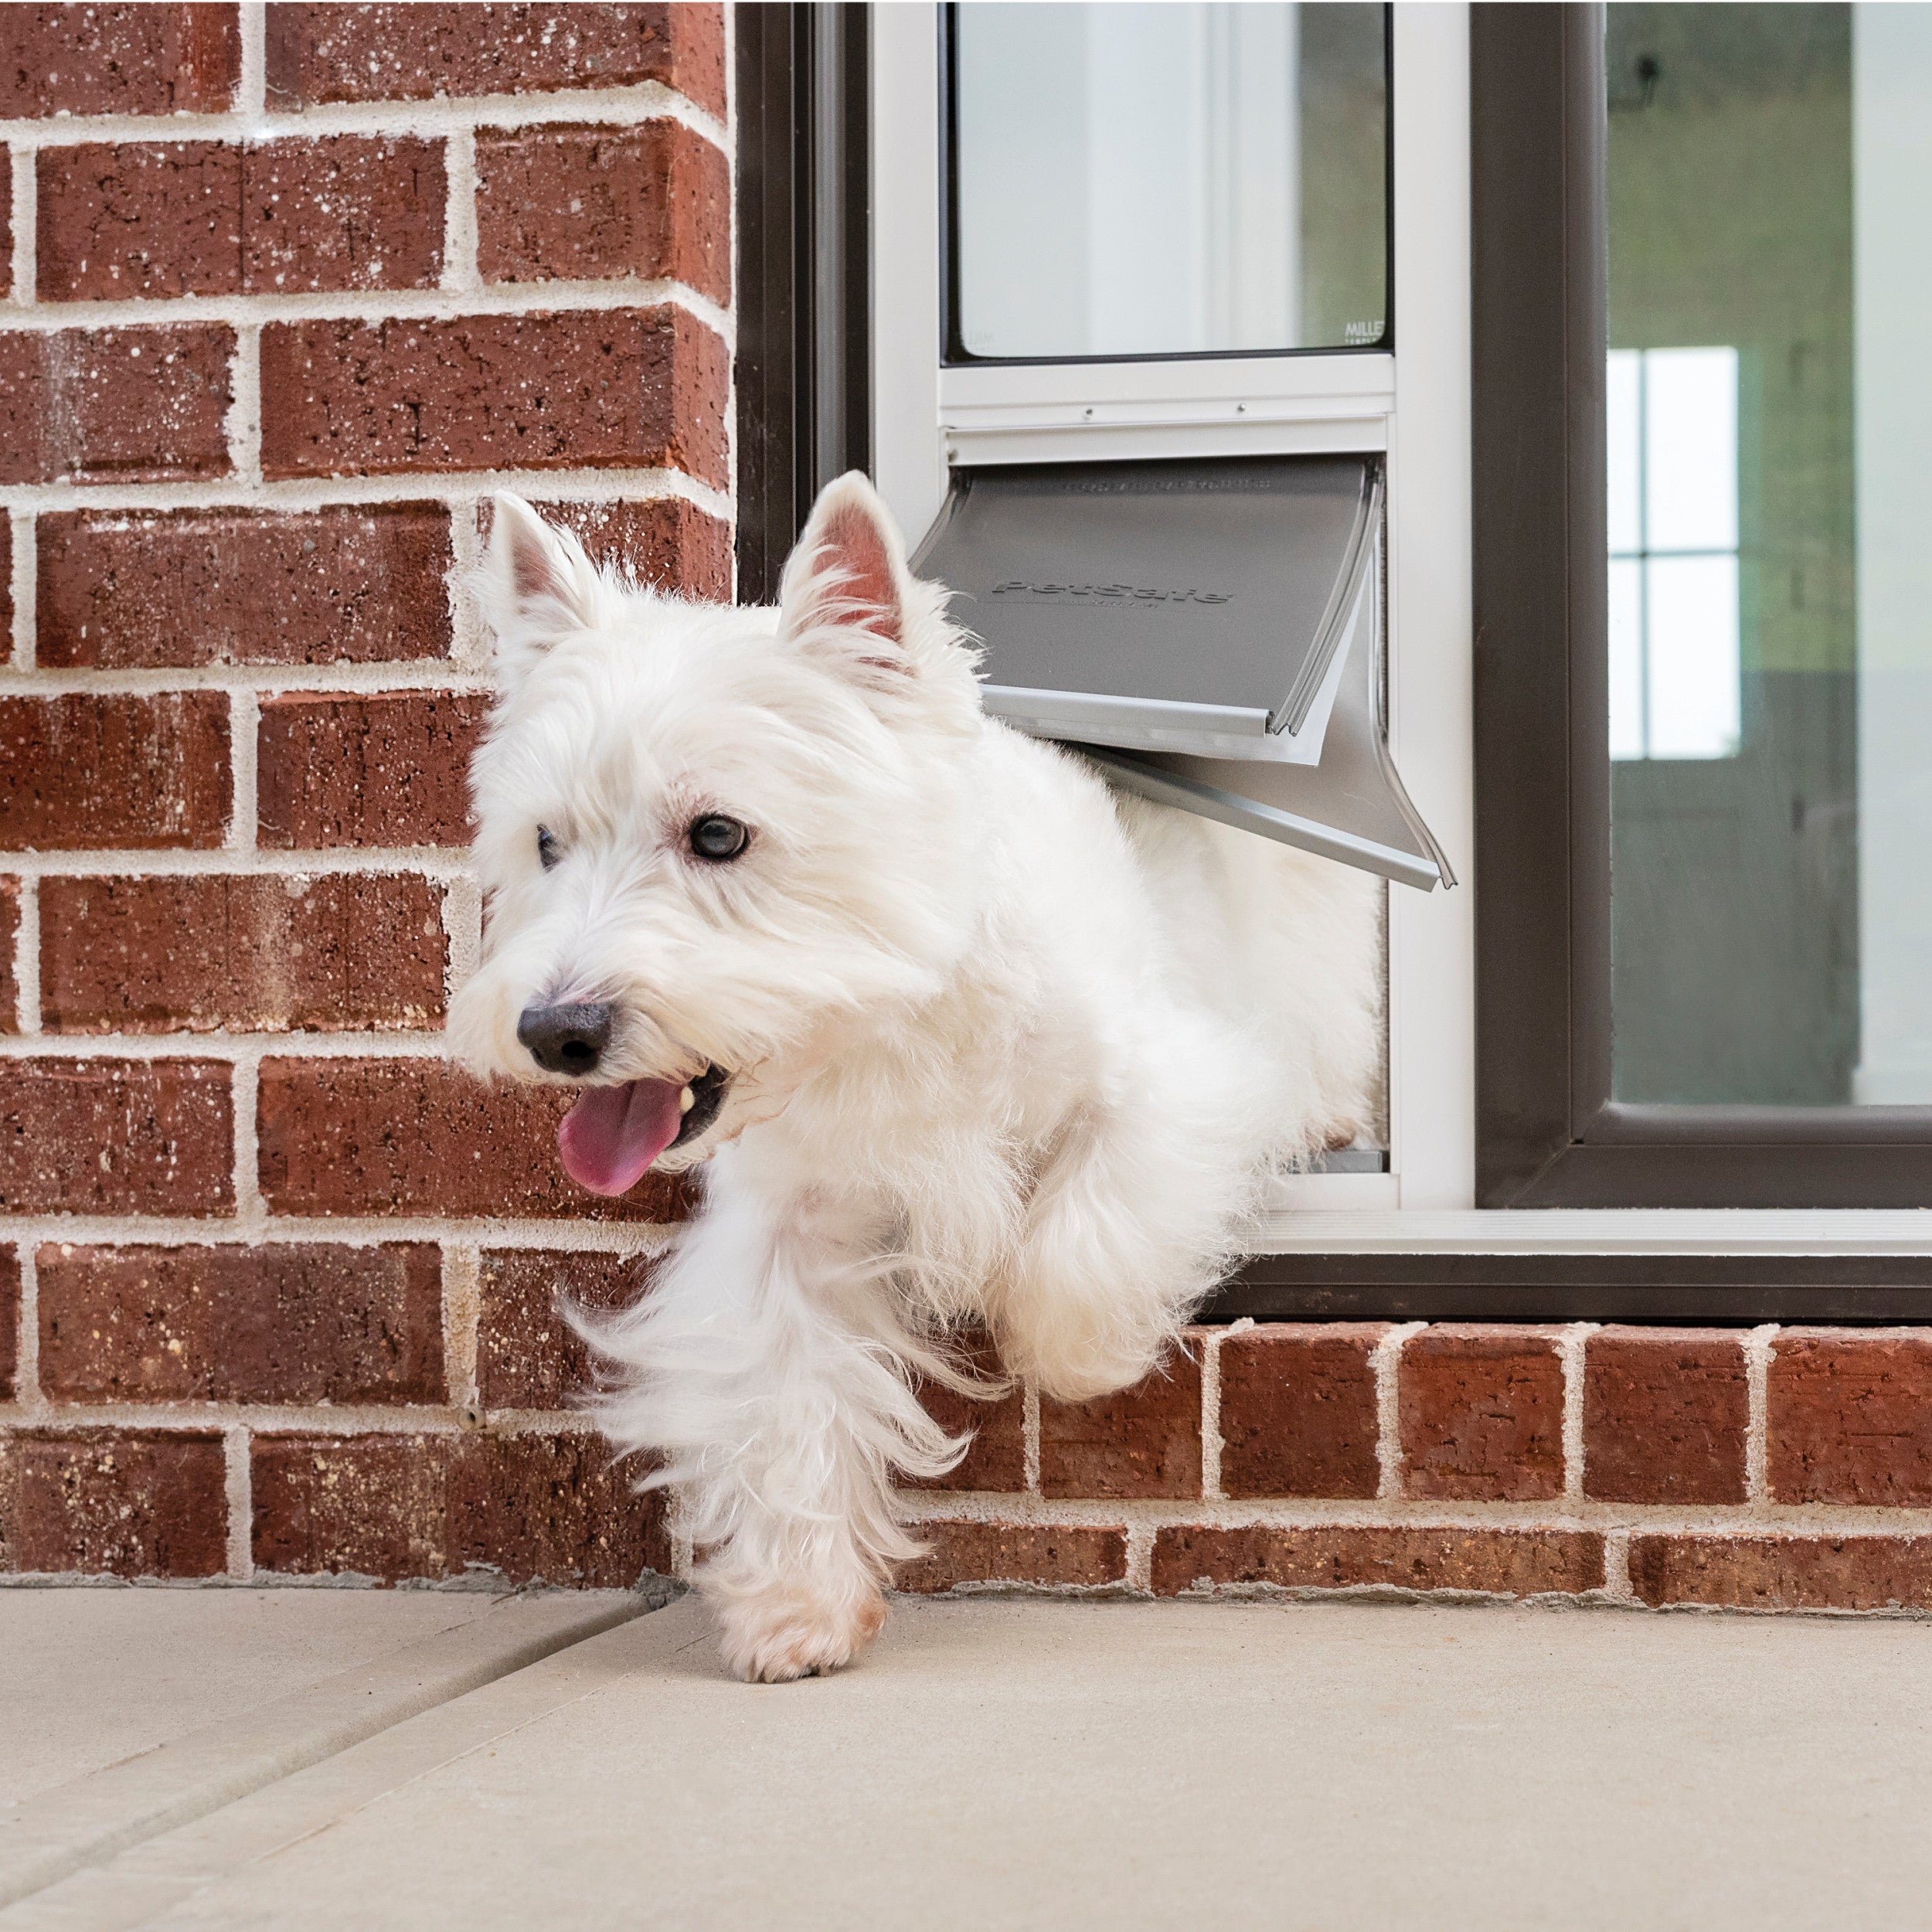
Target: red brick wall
x=282, y=296
x=284, y=293
x=1764, y=1468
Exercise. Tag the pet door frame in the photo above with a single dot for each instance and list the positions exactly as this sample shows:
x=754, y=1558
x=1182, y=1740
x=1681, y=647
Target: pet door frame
x=927, y=416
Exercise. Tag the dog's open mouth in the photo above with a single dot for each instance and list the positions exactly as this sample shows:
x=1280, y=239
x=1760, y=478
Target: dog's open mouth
x=609, y=1139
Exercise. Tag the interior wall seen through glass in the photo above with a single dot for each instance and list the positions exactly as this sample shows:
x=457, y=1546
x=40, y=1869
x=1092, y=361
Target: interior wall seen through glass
x=1135, y=179
x=1768, y=406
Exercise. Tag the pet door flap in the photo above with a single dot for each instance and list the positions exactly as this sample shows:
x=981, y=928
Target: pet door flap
x=1209, y=632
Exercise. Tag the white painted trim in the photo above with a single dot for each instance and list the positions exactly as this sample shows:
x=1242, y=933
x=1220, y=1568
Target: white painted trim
x=1191, y=432
x=1269, y=405
x=1432, y=1057
x=1362, y=384
x=1741, y=1231
x=908, y=461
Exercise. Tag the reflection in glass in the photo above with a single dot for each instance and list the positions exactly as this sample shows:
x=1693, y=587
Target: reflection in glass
x=1144, y=179
x=1770, y=499
x=1672, y=458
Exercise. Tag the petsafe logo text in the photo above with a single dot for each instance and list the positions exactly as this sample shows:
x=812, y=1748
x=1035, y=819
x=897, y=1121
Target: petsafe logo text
x=1125, y=592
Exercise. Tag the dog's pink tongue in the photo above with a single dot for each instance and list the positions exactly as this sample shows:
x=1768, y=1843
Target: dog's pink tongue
x=613, y=1133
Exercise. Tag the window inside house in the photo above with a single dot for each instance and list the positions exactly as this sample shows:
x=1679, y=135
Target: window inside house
x=1136, y=180
x=1672, y=500
x=1769, y=498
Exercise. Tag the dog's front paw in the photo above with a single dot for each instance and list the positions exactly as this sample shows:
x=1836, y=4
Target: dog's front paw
x=789, y=1632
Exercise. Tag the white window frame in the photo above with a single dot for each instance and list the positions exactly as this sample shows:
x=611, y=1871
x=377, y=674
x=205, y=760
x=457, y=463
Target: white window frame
x=1415, y=406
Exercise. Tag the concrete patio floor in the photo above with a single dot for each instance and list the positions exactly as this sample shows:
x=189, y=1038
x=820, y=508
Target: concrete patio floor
x=309, y=1758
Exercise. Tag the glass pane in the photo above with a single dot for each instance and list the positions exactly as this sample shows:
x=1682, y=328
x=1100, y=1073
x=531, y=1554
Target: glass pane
x=1626, y=658
x=1690, y=449
x=1153, y=180
x=1770, y=411
x=1691, y=652
x=1624, y=414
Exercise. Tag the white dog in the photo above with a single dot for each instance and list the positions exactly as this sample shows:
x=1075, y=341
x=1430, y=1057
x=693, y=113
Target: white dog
x=965, y=1038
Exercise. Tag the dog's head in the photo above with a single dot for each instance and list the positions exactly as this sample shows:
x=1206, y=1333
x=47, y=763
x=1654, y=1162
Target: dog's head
x=714, y=843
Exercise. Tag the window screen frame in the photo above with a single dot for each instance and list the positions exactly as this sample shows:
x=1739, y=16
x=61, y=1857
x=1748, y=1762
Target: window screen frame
x=1550, y=1135
x=953, y=354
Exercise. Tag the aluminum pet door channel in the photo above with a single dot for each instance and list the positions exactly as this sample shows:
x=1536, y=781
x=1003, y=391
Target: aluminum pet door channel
x=1209, y=632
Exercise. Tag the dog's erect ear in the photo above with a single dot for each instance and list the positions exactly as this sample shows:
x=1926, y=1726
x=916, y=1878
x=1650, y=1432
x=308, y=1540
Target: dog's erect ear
x=848, y=575
x=537, y=584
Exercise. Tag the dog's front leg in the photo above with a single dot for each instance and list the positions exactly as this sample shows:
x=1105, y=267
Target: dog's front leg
x=761, y=1371
x=1122, y=1237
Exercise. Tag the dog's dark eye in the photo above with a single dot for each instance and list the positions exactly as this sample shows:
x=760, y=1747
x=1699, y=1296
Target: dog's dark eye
x=717, y=838
x=548, y=851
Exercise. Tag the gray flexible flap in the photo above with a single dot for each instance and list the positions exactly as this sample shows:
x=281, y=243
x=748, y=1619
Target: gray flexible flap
x=1352, y=806
x=1144, y=603
x=1174, y=622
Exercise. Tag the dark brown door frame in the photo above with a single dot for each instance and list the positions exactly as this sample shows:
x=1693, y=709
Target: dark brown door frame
x=804, y=372
x=1549, y=1133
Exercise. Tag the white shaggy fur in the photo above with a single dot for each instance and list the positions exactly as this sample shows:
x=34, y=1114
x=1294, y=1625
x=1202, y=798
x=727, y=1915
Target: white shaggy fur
x=1005, y=1048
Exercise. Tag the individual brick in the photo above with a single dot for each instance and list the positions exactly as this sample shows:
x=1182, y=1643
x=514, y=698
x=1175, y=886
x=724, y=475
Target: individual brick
x=350, y=211
x=6, y=571
x=1850, y=1417
x=1784, y=1573
x=996, y=1458
x=527, y=1356
x=114, y=1502
x=389, y=771
x=322, y=53
x=9, y=946
x=116, y=1137
x=418, y=1136
x=122, y=590
x=666, y=542
x=528, y=1507
x=333, y=953
x=1481, y=1410
x=120, y=218
x=153, y=219
x=1142, y=1442
x=115, y=405
x=9, y=1325
x=132, y=58
x=307, y=1323
x=1504, y=1562
x=1664, y=1413
x=1298, y=1415
x=1053, y=1555
x=576, y=203
x=6, y=223
x=114, y=771
x=633, y=388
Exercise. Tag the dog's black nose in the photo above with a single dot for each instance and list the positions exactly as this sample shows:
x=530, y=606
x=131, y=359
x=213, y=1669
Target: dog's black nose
x=566, y=1039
